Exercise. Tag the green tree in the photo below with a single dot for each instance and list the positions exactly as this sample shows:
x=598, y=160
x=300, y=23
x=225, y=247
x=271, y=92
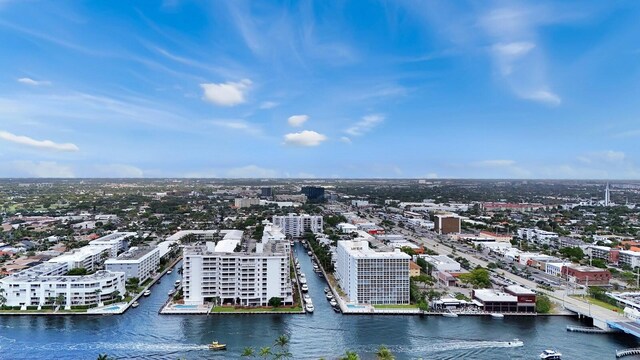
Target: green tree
x=248, y=352
x=599, y=263
x=103, y=357
x=350, y=355
x=478, y=278
x=543, y=304
x=384, y=353
x=77, y=272
x=275, y=302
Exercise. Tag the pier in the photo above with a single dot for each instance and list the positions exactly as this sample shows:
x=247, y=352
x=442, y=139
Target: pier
x=589, y=330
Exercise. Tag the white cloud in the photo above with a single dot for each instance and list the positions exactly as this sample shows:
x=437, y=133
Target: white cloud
x=268, y=105
x=251, y=171
x=226, y=94
x=41, y=169
x=30, y=81
x=117, y=171
x=365, y=125
x=297, y=120
x=494, y=163
x=345, y=140
x=514, y=48
x=304, y=138
x=41, y=144
x=239, y=125
x=543, y=96
x=609, y=157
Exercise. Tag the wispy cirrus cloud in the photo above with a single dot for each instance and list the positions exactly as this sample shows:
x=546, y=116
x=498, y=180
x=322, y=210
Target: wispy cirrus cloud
x=365, y=125
x=493, y=163
x=32, y=82
x=39, y=144
x=239, y=125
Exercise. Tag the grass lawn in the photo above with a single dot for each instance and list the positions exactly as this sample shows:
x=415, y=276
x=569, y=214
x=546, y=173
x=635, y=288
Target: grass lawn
x=227, y=309
x=394, y=306
x=600, y=303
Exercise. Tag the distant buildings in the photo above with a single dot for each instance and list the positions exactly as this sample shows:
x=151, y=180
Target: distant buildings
x=266, y=192
x=586, y=275
x=88, y=257
x=537, y=236
x=447, y=224
x=117, y=241
x=219, y=273
x=295, y=225
x=313, y=193
x=137, y=262
x=246, y=202
x=370, y=277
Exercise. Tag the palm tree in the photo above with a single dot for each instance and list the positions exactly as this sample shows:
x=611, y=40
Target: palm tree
x=282, y=341
x=265, y=352
x=384, y=353
x=248, y=352
x=350, y=355
x=103, y=357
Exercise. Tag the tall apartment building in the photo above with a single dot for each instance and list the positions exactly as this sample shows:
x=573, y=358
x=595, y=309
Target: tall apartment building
x=89, y=257
x=370, y=277
x=446, y=224
x=117, y=241
x=43, y=283
x=136, y=262
x=296, y=225
x=218, y=273
x=246, y=202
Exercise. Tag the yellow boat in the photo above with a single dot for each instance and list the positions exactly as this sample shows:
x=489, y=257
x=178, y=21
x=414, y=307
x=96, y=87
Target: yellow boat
x=217, y=346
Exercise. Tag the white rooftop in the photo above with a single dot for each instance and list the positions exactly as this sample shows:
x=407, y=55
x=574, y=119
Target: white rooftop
x=360, y=249
x=80, y=254
x=517, y=289
x=226, y=246
x=489, y=295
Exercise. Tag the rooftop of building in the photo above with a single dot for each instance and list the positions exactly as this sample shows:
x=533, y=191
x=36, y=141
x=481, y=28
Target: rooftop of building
x=28, y=277
x=490, y=295
x=81, y=253
x=519, y=290
x=134, y=253
x=116, y=236
x=360, y=249
x=585, y=268
x=439, y=259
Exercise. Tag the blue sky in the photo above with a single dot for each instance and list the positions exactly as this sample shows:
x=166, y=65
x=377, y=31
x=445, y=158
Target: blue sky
x=384, y=89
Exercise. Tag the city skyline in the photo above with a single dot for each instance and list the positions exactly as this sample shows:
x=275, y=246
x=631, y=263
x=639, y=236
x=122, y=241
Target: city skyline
x=355, y=90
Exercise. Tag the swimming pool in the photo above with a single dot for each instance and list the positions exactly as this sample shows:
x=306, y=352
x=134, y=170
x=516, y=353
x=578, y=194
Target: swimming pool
x=351, y=306
x=182, y=306
x=111, y=308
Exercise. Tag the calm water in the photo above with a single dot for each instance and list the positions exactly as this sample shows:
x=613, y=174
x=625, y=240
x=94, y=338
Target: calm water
x=143, y=334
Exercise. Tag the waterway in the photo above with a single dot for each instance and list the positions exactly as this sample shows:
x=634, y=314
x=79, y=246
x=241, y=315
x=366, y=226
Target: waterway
x=142, y=333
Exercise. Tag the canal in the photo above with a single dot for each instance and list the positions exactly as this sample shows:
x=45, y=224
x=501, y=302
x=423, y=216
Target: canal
x=143, y=334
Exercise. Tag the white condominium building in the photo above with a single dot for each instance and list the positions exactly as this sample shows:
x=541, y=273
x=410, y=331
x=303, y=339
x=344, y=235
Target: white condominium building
x=44, y=283
x=295, y=225
x=370, y=277
x=136, y=262
x=116, y=240
x=229, y=273
x=89, y=257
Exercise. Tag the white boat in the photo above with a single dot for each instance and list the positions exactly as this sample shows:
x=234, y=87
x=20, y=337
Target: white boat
x=171, y=292
x=306, y=297
x=302, y=275
x=309, y=253
x=329, y=296
x=298, y=266
x=169, y=272
x=333, y=302
x=308, y=301
x=326, y=290
x=304, y=288
x=450, y=314
x=516, y=343
x=309, y=308
x=497, y=316
x=303, y=281
x=177, y=283
x=135, y=304
x=146, y=293
x=550, y=355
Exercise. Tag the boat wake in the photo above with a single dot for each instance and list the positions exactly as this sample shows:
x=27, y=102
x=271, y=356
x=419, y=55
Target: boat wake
x=140, y=347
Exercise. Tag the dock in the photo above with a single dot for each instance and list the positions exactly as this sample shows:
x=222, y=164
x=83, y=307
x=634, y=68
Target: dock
x=588, y=330
x=627, y=352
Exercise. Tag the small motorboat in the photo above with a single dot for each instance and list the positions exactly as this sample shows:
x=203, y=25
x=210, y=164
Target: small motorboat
x=169, y=272
x=497, y=316
x=326, y=290
x=306, y=297
x=309, y=308
x=177, y=283
x=146, y=293
x=304, y=288
x=450, y=314
x=516, y=343
x=135, y=304
x=329, y=296
x=216, y=346
x=336, y=309
x=303, y=280
x=309, y=253
x=333, y=302
x=550, y=355
x=171, y=292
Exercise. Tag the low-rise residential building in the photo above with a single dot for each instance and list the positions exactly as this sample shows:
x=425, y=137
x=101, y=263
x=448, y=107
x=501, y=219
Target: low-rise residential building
x=138, y=262
x=46, y=284
x=89, y=257
x=586, y=275
x=295, y=225
x=370, y=277
x=117, y=241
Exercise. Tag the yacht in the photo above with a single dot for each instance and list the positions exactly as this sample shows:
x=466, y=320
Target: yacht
x=135, y=304
x=146, y=293
x=450, y=314
x=497, y=316
x=333, y=302
x=309, y=308
x=550, y=355
x=304, y=288
x=306, y=297
x=177, y=283
x=303, y=280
